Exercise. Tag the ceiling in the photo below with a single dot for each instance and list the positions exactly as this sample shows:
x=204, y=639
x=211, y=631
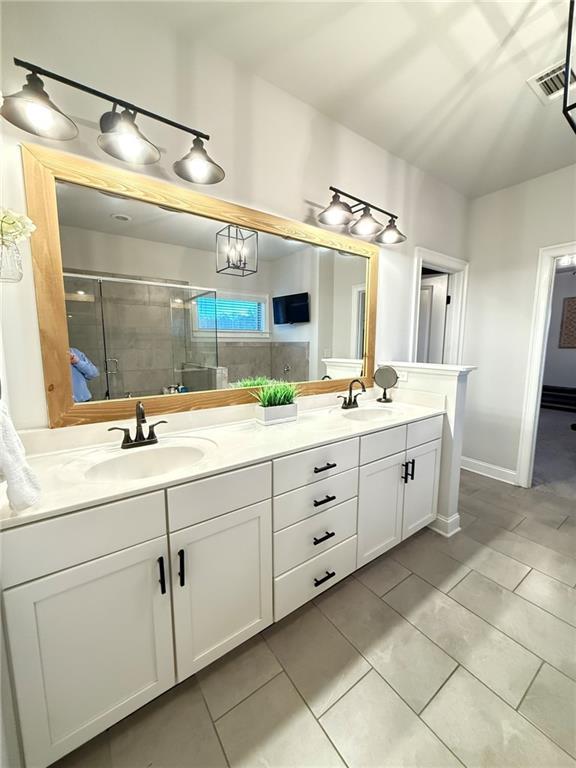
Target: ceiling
x=440, y=84
x=90, y=209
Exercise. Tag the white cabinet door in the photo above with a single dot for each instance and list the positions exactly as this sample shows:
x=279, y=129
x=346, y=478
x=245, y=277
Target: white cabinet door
x=222, y=584
x=380, y=497
x=89, y=645
x=421, y=491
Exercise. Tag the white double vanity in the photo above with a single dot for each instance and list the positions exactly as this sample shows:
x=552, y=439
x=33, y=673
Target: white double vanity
x=141, y=567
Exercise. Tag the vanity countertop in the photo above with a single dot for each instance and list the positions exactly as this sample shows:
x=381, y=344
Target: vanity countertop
x=65, y=487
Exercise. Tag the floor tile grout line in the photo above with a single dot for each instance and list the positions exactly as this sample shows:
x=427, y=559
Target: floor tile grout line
x=368, y=661
x=461, y=664
x=354, y=575
x=563, y=521
x=517, y=708
x=339, y=699
x=555, y=551
x=431, y=699
x=550, y=663
x=517, y=594
x=274, y=676
x=520, y=582
x=213, y=722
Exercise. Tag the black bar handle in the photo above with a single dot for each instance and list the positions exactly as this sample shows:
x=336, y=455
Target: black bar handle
x=327, y=535
x=162, y=579
x=404, y=475
x=328, y=465
x=410, y=472
x=326, y=500
x=181, y=566
x=329, y=575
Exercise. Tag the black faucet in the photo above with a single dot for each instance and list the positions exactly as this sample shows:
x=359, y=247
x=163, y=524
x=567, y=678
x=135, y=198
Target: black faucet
x=352, y=401
x=139, y=438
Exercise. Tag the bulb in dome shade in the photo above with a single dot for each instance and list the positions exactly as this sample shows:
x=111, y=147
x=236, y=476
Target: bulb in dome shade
x=32, y=110
x=391, y=235
x=198, y=167
x=122, y=139
x=366, y=225
x=336, y=214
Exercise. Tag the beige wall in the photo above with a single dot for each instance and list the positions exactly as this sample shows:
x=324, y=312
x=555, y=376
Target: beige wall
x=506, y=231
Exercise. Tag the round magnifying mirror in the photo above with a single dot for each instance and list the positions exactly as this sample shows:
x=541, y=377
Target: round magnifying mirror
x=385, y=377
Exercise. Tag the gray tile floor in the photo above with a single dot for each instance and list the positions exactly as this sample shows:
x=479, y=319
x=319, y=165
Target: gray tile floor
x=555, y=458
x=443, y=652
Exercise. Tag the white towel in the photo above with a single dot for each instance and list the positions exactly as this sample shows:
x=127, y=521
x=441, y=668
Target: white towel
x=23, y=486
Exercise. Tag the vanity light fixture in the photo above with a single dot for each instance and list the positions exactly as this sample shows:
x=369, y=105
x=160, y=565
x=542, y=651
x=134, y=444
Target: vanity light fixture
x=340, y=213
x=120, y=137
x=236, y=251
x=32, y=110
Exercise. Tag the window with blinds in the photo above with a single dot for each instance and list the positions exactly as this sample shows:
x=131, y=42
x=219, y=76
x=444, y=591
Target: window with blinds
x=230, y=315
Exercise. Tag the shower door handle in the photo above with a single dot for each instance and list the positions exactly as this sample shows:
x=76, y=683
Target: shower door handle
x=112, y=360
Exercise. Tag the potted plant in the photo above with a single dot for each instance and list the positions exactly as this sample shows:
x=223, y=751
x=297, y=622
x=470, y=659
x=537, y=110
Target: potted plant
x=276, y=402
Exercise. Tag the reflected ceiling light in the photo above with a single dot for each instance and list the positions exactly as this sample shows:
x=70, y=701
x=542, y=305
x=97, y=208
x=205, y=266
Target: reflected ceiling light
x=391, y=235
x=366, y=225
x=121, y=138
x=32, y=110
x=337, y=213
x=197, y=166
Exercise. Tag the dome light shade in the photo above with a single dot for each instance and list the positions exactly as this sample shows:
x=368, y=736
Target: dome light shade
x=122, y=139
x=32, y=110
x=366, y=225
x=336, y=214
x=391, y=234
x=197, y=166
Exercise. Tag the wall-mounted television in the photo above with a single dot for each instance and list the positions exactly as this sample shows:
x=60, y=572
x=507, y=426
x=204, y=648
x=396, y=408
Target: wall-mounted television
x=291, y=309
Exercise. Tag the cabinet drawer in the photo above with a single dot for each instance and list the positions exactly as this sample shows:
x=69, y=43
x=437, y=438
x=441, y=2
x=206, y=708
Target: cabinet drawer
x=424, y=431
x=214, y=496
x=382, y=444
x=291, y=507
x=308, y=466
x=38, y=549
x=296, y=587
x=311, y=537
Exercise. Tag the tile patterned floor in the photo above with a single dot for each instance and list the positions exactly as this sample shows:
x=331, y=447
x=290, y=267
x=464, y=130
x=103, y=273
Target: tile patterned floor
x=443, y=652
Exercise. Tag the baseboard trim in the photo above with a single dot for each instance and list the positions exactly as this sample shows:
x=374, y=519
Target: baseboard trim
x=490, y=470
x=446, y=526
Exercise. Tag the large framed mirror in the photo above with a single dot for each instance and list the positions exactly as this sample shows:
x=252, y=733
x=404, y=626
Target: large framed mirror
x=148, y=290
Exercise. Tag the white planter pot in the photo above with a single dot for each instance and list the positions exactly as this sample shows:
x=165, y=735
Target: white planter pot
x=276, y=414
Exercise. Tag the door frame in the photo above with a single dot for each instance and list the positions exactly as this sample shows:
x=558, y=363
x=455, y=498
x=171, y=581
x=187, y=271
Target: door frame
x=458, y=287
x=541, y=312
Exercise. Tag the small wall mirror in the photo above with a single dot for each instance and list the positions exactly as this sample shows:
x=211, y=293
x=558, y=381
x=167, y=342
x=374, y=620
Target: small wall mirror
x=148, y=312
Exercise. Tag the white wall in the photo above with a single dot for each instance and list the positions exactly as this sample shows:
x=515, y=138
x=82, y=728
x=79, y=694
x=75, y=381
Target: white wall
x=560, y=366
x=506, y=230
x=279, y=153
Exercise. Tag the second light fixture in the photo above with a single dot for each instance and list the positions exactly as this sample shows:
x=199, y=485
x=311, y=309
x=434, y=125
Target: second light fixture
x=341, y=215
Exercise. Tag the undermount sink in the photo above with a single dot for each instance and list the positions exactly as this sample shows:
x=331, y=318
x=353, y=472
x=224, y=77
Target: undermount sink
x=370, y=413
x=140, y=463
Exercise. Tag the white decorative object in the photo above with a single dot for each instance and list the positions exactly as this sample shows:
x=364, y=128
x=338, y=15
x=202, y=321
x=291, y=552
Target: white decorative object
x=276, y=414
x=14, y=229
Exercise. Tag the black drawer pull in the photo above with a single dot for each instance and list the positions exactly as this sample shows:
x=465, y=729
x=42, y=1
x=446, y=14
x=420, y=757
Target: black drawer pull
x=181, y=565
x=404, y=475
x=410, y=472
x=328, y=465
x=329, y=575
x=162, y=579
x=326, y=500
x=327, y=535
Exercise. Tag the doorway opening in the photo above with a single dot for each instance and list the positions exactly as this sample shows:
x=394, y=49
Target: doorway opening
x=440, y=284
x=547, y=455
x=555, y=451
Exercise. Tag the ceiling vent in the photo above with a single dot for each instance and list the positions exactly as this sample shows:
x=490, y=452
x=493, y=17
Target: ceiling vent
x=549, y=84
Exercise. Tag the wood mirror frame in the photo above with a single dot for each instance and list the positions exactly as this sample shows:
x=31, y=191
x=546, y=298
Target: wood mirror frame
x=43, y=167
